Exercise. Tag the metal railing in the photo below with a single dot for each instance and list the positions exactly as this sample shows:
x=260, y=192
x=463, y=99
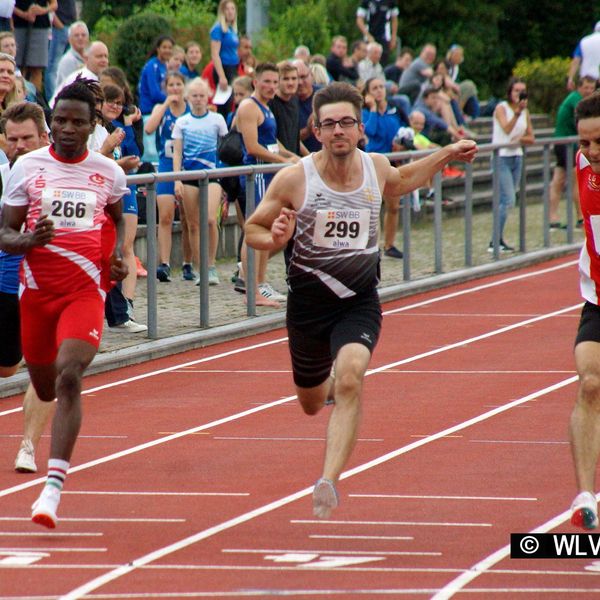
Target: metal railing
x=204, y=177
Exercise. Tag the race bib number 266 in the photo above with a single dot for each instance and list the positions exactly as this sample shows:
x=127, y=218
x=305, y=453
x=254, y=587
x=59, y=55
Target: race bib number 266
x=342, y=229
x=69, y=209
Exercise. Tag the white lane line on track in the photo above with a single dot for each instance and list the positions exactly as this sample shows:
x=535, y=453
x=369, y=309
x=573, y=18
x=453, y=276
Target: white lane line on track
x=449, y=296
x=79, y=437
x=324, y=551
x=105, y=578
x=483, y=566
x=376, y=593
x=484, y=286
x=491, y=315
x=256, y=409
x=99, y=520
x=118, y=493
x=286, y=439
x=387, y=523
x=244, y=371
x=480, y=372
x=169, y=369
x=551, y=442
x=317, y=536
x=46, y=534
x=51, y=549
x=405, y=496
x=199, y=567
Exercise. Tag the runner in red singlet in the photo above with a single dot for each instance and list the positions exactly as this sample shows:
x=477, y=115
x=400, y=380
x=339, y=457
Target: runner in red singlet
x=585, y=419
x=62, y=194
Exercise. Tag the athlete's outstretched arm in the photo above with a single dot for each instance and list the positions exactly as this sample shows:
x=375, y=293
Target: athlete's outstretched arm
x=272, y=223
x=414, y=175
x=15, y=242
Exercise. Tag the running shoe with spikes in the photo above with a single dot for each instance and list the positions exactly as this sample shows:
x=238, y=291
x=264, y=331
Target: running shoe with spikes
x=584, y=511
x=325, y=498
x=25, y=461
x=43, y=510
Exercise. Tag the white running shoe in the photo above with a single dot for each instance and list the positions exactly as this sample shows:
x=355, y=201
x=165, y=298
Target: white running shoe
x=325, y=498
x=266, y=290
x=45, y=507
x=213, y=276
x=25, y=461
x=584, y=511
x=130, y=326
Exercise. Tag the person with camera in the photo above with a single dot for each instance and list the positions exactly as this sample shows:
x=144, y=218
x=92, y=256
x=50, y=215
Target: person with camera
x=119, y=116
x=511, y=125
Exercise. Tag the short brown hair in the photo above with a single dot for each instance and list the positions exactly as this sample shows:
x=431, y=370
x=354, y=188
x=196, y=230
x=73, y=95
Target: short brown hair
x=265, y=66
x=588, y=108
x=285, y=66
x=21, y=111
x=337, y=92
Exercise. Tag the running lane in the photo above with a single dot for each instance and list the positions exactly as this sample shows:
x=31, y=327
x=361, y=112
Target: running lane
x=193, y=473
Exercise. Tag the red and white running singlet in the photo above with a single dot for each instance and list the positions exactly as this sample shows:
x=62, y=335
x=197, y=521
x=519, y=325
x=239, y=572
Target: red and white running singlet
x=589, y=258
x=73, y=194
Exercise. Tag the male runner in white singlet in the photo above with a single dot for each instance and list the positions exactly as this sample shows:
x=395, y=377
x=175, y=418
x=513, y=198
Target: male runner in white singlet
x=329, y=203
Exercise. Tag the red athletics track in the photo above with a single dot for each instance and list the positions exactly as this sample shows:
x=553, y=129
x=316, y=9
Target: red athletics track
x=192, y=475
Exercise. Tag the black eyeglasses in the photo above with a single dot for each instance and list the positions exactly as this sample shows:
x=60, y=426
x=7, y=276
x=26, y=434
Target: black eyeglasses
x=344, y=123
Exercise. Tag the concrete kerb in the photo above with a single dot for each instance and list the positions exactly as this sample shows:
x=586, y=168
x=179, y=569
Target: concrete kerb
x=152, y=349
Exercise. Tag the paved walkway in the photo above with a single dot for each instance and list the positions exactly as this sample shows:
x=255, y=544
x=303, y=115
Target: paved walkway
x=179, y=302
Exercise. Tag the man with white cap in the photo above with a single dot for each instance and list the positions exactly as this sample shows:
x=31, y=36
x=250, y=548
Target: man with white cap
x=586, y=58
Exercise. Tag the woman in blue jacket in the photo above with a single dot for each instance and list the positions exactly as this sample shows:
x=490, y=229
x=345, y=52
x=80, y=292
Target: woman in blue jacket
x=381, y=122
x=150, y=87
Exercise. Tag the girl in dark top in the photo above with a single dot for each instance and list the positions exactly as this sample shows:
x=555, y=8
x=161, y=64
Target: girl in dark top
x=31, y=19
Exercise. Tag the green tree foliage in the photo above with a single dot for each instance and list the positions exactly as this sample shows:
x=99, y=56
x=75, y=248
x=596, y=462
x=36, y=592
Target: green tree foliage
x=188, y=19
x=134, y=41
x=131, y=39
x=93, y=10
x=302, y=23
x=495, y=35
x=545, y=82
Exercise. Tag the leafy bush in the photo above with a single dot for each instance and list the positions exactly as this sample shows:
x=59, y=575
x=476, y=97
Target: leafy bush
x=105, y=30
x=306, y=23
x=131, y=40
x=545, y=82
x=134, y=40
x=189, y=20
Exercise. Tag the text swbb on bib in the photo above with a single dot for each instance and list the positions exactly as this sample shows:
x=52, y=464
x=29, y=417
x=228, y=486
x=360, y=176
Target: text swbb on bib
x=342, y=228
x=69, y=209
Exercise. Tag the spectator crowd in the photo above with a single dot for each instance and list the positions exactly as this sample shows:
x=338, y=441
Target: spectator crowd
x=235, y=110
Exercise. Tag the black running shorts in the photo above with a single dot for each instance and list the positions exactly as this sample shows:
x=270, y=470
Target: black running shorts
x=317, y=331
x=589, y=324
x=10, y=334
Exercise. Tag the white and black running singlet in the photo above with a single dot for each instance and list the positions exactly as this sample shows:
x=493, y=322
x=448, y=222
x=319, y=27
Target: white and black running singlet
x=336, y=239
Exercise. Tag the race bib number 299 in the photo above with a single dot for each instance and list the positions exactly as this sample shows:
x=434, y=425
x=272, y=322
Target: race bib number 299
x=348, y=228
x=69, y=209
